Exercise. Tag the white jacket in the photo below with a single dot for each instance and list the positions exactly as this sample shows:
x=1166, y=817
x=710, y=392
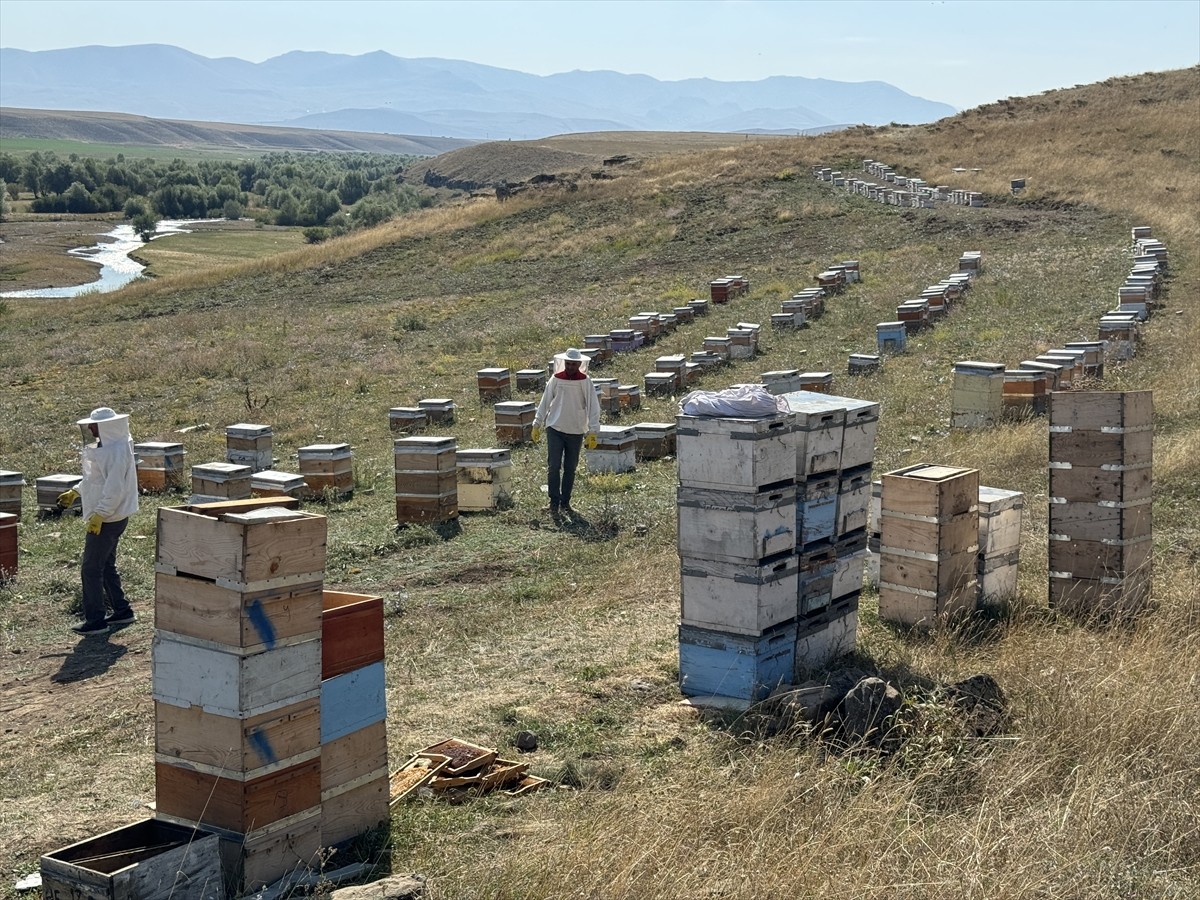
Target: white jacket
x=569, y=406
x=109, y=487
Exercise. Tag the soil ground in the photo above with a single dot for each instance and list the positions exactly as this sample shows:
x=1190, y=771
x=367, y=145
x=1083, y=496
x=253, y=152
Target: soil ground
x=34, y=253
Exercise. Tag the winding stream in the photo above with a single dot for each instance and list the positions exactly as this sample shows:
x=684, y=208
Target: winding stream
x=116, y=268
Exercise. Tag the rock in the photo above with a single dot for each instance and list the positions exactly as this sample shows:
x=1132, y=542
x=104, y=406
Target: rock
x=525, y=742
x=867, y=710
x=982, y=701
x=813, y=701
x=394, y=887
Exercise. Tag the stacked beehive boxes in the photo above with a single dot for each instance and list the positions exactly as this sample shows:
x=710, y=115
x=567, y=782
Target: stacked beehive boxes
x=615, y=450
x=485, y=479
x=354, y=769
x=1000, y=513
x=237, y=678
x=978, y=397
x=1101, y=446
x=159, y=465
x=247, y=444
x=327, y=468
x=11, y=484
x=217, y=481
x=49, y=487
x=737, y=541
x=426, y=480
x=8, y=545
x=514, y=421
x=929, y=538
x=494, y=383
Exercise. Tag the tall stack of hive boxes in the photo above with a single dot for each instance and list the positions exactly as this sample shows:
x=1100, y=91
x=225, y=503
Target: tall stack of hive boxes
x=247, y=444
x=426, y=480
x=327, y=468
x=978, y=398
x=1100, y=501
x=1000, y=514
x=237, y=681
x=929, y=536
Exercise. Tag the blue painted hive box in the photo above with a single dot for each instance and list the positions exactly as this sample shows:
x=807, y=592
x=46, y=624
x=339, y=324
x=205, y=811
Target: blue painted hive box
x=816, y=509
x=716, y=663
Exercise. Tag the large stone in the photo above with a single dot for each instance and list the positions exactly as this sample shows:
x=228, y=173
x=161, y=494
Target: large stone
x=813, y=701
x=394, y=887
x=982, y=702
x=868, y=708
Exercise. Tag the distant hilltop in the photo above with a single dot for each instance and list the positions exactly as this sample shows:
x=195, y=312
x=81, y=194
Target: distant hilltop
x=381, y=93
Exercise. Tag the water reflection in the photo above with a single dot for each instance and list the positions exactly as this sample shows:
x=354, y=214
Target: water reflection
x=116, y=268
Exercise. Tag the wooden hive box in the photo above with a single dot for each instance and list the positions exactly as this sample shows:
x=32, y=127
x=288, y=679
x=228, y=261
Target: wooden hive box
x=147, y=860
x=428, y=453
x=532, y=380
x=349, y=811
x=49, y=487
x=781, y=381
x=684, y=315
x=996, y=578
x=851, y=554
x=798, y=308
x=814, y=585
x=746, y=667
x=260, y=549
x=1100, y=598
x=237, y=747
x=407, y=418
x=824, y=637
x=426, y=480
x=247, y=444
x=654, y=440
x=217, y=481
x=699, y=306
x=816, y=509
x=930, y=492
x=1093, y=359
x=514, y=421
x=263, y=856
x=351, y=632
x=784, y=320
x=219, y=801
x=707, y=359
x=862, y=364
x=426, y=509
x=721, y=346
x=495, y=384
x=353, y=759
x=736, y=526
x=11, y=484
x=271, y=483
x=327, y=467
x=8, y=546
x=615, y=451
x=741, y=343
x=817, y=433
x=661, y=384
x=484, y=479
x=629, y=396
x=438, y=410
x=854, y=500
x=159, y=465
x=914, y=314
x=740, y=598
x=735, y=454
x=719, y=290
x=352, y=701
x=978, y=394
x=1000, y=513
x=817, y=382
x=1025, y=392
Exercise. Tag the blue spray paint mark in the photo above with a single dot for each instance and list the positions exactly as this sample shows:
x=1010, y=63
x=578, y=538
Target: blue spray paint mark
x=262, y=623
x=262, y=744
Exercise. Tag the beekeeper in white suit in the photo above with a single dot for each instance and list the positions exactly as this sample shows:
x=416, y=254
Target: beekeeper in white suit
x=570, y=413
x=109, y=495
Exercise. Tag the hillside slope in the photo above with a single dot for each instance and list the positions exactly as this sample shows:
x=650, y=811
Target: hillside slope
x=1088, y=787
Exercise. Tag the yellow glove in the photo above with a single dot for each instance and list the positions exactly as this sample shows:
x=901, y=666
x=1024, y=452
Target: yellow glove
x=94, y=523
x=67, y=498
x=589, y=442
x=536, y=435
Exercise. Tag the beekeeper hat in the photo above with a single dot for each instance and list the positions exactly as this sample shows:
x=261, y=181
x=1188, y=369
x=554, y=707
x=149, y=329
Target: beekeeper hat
x=102, y=414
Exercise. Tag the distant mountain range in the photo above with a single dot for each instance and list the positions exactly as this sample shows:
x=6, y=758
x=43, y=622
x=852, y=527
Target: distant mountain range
x=378, y=92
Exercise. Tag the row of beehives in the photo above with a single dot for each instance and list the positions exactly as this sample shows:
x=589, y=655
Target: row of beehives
x=269, y=699
x=772, y=538
x=897, y=189
x=927, y=547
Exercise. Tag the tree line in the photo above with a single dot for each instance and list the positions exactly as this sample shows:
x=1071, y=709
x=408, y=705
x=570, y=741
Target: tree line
x=330, y=193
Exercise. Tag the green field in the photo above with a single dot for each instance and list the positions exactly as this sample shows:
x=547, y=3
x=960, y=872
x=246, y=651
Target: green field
x=214, y=247
x=64, y=148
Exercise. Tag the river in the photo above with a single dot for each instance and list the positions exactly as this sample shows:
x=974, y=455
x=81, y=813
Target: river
x=116, y=268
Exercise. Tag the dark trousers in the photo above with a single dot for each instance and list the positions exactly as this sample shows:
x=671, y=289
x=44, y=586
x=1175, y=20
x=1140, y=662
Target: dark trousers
x=98, y=572
x=562, y=459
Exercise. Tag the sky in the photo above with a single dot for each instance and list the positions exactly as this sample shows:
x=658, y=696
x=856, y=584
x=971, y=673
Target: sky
x=961, y=52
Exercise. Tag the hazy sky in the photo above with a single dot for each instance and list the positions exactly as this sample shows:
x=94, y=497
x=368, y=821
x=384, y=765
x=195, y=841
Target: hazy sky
x=962, y=52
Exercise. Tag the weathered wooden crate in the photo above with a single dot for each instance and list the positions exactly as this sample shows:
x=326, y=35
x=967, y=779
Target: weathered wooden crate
x=247, y=444
x=426, y=484
x=11, y=484
x=1073, y=358
x=798, y=309
x=514, y=421
x=736, y=526
x=920, y=609
x=996, y=578
x=188, y=794
x=239, y=620
x=746, y=667
x=735, y=454
x=926, y=490
x=438, y=410
x=425, y=453
x=407, y=418
x=147, y=860
x=946, y=578
x=977, y=400
x=784, y=320
x=8, y=546
x=706, y=359
x=1100, y=598
x=188, y=672
x=327, y=467
x=1025, y=392
x=851, y=553
x=824, y=637
x=654, y=440
x=1106, y=521
x=1127, y=448
x=265, y=855
x=352, y=701
x=239, y=747
x=853, y=501
x=1100, y=484
x=494, y=383
x=159, y=465
x=818, y=429
x=816, y=509
x=426, y=509
x=271, y=483
x=261, y=549
x=49, y=487
x=220, y=481
x=533, y=380
x=1105, y=411
x=863, y=364
x=1109, y=560
x=741, y=598
x=615, y=451
x=485, y=479
x=661, y=384
x=814, y=583
x=351, y=632
x=1000, y=513
x=354, y=758
x=348, y=811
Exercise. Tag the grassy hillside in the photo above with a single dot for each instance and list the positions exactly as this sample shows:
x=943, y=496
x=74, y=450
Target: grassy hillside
x=1091, y=791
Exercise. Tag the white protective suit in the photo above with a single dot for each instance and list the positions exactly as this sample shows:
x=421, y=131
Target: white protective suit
x=109, y=487
x=569, y=407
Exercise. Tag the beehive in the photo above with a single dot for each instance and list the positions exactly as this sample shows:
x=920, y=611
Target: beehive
x=862, y=364
x=159, y=465
x=654, y=440
x=738, y=597
x=8, y=546
x=534, y=380
x=746, y=667
x=684, y=315
x=781, y=381
x=426, y=479
x=514, y=421
x=11, y=484
x=736, y=526
x=720, y=346
x=978, y=394
x=698, y=306
x=485, y=479
x=495, y=384
x=891, y=337
x=247, y=444
x=817, y=382
x=929, y=542
x=735, y=454
x=629, y=396
x=1000, y=513
x=660, y=384
x=615, y=450
x=272, y=483
x=818, y=423
x=48, y=489
x=742, y=343
x=327, y=467
x=220, y=481
x=1024, y=392
x=407, y=418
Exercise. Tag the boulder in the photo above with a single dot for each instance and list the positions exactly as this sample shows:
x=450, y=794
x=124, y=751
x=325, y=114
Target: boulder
x=394, y=887
x=868, y=708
